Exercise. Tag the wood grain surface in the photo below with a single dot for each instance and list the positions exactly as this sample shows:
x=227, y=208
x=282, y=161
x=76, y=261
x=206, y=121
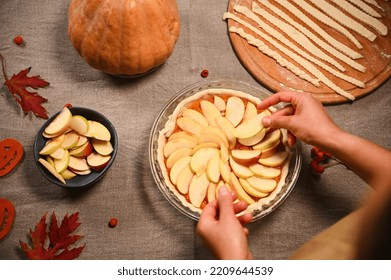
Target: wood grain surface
x=376, y=58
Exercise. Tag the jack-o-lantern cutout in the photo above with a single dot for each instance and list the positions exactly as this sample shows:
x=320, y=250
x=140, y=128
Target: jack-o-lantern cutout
x=7, y=215
x=11, y=152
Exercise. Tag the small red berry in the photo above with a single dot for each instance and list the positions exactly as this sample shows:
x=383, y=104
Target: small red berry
x=113, y=222
x=18, y=40
x=316, y=168
x=204, y=73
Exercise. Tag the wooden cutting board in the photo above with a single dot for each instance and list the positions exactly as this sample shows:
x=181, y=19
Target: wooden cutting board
x=376, y=58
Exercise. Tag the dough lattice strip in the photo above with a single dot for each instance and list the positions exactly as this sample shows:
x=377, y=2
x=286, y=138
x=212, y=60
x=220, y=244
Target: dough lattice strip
x=276, y=34
x=303, y=62
x=343, y=19
x=316, y=28
x=374, y=3
x=330, y=49
x=362, y=16
x=327, y=20
x=366, y=8
x=275, y=55
x=296, y=36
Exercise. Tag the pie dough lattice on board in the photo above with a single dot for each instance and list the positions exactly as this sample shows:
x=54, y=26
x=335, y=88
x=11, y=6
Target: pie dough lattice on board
x=295, y=45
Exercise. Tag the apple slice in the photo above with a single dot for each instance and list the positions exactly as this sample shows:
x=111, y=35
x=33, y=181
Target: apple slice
x=61, y=164
x=60, y=123
x=246, y=157
x=79, y=124
x=225, y=170
x=204, y=145
x=67, y=174
x=98, y=131
x=52, y=145
x=213, y=134
x=210, y=111
x=250, y=112
x=52, y=170
x=82, y=172
x=265, y=171
x=102, y=147
x=50, y=160
x=200, y=159
x=183, y=180
x=235, y=110
x=51, y=135
x=178, y=167
x=262, y=185
x=253, y=140
x=270, y=139
x=78, y=164
x=224, y=153
x=211, y=193
x=219, y=103
x=227, y=127
x=70, y=140
x=176, y=155
x=242, y=195
x=83, y=151
x=82, y=141
x=58, y=154
x=98, y=162
x=189, y=125
x=271, y=151
x=212, y=168
x=197, y=189
x=276, y=160
x=195, y=116
x=240, y=170
x=251, y=190
x=183, y=135
x=176, y=144
x=250, y=127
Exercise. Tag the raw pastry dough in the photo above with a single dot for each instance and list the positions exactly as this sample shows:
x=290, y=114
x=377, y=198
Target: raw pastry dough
x=314, y=26
x=305, y=63
x=313, y=37
x=328, y=21
x=343, y=19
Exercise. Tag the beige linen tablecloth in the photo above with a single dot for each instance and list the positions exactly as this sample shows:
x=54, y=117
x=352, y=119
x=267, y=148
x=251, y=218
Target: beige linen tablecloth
x=149, y=227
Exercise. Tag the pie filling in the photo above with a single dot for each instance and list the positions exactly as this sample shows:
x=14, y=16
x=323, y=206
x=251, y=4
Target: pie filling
x=216, y=138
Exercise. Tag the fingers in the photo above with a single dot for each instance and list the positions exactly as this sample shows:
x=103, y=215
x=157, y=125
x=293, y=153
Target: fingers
x=209, y=211
x=276, y=121
x=245, y=218
x=240, y=206
x=225, y=203
x=282, y=96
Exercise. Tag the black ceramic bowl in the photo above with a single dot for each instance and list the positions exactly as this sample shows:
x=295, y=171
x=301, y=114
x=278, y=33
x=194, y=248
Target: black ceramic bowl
x=79, y=180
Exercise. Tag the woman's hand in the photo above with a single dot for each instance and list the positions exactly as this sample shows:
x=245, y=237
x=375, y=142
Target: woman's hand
x=221, y=230
x=304, y=117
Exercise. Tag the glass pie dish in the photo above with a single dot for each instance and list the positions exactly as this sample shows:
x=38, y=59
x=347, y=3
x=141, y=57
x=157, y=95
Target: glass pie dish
x=166, y=115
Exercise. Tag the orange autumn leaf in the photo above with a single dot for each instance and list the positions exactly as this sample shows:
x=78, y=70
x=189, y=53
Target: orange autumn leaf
x=55, y=243
x=28, y=100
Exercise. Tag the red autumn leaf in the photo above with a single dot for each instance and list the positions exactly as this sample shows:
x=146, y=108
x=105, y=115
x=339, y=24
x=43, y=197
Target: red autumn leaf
x=17, y=85
x=57, y=247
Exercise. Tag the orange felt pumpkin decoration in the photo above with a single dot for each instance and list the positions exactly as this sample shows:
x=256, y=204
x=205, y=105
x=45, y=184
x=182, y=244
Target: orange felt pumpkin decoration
x=7, y=215
x=11, y=152
x=123, y=37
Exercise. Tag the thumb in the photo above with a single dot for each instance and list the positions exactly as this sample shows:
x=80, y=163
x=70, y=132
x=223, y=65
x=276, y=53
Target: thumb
x=225, y=203
x=276, y=121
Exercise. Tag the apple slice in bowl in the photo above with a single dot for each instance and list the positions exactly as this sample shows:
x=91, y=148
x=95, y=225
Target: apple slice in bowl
x=79, y=140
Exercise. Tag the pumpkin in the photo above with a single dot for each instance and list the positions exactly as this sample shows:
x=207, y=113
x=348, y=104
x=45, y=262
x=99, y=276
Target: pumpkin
x=123, y=37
